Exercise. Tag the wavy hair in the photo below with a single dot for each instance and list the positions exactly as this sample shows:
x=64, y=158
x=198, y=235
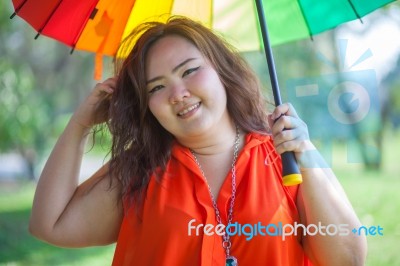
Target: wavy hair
x=140, y=145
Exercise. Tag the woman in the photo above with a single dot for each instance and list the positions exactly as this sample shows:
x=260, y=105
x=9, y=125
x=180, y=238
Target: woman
x=193, y=156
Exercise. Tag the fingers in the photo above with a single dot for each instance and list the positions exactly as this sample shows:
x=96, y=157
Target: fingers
x=288, y=130
x=284, y=109
x=284, y=123
x=290, y=140
x=110, y=82
x=95, y=109
x=107, y=86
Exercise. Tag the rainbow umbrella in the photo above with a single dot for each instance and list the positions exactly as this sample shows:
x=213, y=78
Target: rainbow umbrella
x=99, y=26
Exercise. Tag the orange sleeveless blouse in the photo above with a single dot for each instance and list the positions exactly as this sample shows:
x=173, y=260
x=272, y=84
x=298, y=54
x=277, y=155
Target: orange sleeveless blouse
x=161, y=234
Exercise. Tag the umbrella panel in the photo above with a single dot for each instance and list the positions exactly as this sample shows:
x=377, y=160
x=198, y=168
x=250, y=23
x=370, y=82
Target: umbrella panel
x=335, y=12
x=61, y=20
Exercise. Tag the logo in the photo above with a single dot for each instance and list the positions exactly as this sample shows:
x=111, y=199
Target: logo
x=348, y=102
x=339, y=105
x=280, y=230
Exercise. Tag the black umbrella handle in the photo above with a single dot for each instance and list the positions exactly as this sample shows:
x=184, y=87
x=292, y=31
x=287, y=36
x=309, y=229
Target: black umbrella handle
x=290, y=169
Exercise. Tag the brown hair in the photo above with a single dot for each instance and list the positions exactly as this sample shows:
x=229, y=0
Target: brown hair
x=140, y=145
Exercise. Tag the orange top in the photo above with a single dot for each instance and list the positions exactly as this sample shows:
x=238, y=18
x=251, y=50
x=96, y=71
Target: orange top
x=161, y=235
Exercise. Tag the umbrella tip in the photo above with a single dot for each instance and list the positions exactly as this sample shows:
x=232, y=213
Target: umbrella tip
x=13, y=15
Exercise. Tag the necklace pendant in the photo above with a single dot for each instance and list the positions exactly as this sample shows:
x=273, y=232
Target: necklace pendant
x=231, y=261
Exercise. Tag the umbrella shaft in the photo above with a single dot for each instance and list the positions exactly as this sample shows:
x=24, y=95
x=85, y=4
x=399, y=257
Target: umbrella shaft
x=268, y=53
x=290, y=169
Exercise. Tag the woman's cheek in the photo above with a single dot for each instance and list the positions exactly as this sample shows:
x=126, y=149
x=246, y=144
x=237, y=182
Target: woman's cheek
x=159, y=107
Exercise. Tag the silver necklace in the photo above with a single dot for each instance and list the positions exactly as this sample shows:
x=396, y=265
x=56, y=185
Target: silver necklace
x=226, y=243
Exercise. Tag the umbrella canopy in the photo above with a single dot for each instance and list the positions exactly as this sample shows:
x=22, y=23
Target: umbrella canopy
x=99, y=26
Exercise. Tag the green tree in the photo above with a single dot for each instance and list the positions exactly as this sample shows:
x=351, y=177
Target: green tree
x=40, y=84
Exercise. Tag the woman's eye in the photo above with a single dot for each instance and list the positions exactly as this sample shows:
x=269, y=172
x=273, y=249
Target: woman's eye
x=156, y=88
x=189, y=71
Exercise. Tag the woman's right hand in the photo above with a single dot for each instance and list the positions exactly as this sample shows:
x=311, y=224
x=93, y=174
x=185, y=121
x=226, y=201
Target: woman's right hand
x=95, y=108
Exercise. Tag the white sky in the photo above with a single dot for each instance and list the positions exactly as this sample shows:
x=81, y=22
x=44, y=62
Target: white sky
x=382, y=38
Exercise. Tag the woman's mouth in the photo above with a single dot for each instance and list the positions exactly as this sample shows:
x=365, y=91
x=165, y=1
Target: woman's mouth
x=189, y=110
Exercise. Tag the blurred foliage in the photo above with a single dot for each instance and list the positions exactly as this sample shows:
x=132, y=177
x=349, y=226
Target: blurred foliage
x=40, y=85
x=392, y=82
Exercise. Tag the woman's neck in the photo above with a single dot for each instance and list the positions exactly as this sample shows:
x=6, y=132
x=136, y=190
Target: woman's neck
x=214, y=141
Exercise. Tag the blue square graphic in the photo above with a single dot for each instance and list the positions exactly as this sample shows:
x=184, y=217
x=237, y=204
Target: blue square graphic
x=337, y=106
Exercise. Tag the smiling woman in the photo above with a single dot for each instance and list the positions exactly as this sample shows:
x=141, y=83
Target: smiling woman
x=191, y=141
x=190, y=98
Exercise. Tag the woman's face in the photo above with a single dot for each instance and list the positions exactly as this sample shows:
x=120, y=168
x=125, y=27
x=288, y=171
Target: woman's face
x=186, y=94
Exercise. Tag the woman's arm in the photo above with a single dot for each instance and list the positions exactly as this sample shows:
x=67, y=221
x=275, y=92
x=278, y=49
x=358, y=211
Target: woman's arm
x=65, y=213
x=321, y=199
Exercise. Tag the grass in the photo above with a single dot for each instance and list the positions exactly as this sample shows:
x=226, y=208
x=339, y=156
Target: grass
x=374, y=195
x=18, y=247
x=376, y=200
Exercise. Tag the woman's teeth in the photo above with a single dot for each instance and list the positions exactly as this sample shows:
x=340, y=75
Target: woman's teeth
x=187, y=110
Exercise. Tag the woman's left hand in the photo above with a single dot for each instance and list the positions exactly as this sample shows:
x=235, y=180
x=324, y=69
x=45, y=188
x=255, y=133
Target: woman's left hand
x=290, y=133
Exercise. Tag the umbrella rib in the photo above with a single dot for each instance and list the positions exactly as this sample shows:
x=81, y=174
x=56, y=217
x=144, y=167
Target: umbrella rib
x=18, y=9
x=48, y=19
x=355, y=11
x=91, y=16
x=305, y=20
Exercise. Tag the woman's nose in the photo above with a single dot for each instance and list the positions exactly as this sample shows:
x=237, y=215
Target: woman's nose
x=178, y=92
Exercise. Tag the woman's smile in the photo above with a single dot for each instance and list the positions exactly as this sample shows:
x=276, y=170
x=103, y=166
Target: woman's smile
x=189, y=111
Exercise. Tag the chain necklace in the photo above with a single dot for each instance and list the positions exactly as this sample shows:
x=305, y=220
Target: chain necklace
x=226, y=243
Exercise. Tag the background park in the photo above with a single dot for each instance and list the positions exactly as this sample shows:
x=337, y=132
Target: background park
x=354, y=69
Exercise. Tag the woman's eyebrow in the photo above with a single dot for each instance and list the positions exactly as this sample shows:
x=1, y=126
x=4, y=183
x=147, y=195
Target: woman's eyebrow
x=176, y=68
